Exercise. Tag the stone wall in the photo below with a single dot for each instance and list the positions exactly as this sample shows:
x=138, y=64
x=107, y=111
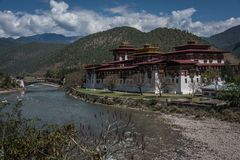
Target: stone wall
x=146, y=104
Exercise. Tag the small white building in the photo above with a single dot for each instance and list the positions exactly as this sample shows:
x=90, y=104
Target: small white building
x=21, y=83
x=212, y=90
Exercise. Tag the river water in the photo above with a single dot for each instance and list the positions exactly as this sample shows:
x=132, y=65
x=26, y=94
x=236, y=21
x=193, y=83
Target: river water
x=52, y=105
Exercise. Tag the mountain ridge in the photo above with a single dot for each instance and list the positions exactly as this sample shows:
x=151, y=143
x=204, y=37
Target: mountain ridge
x=49, y=38
x=227, y=40
x=95, y=48
x=100, y=43
x=27, y=58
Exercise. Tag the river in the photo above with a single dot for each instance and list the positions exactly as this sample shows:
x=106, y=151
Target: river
x=52, y=105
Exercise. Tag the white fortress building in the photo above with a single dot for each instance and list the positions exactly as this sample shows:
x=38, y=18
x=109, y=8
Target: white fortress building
x=177, y=72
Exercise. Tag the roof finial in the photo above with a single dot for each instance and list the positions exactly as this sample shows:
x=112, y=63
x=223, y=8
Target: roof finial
x=191, y=42
x=147, y=45
x=125, y=43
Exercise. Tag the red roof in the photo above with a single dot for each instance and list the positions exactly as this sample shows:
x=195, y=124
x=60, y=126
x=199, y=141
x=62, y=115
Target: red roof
x=196, y=51
x=95, y=66
x=184, y=61
x=122, y=49
x=192, y=46
x=117, y=68
x=149, y=62
x=92, y=67
x=130, y=59
x=105, y=64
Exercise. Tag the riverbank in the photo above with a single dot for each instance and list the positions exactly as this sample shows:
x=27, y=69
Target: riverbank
x=50, y=84
x=166, y=135
x=211, y=138
x=5, y=91
x=198, y=111
x=203, y=133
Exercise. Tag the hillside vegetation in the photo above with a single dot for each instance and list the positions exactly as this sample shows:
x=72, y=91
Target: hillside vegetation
x=228, y=40
x=49, y=38
x=95, y=48
x=27, y=58
x=6, y=43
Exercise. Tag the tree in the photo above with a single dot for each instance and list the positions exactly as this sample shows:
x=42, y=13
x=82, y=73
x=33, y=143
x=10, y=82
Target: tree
x=114, y=138
x=230, y=93
x=210, y=76
x=161, y=86
x=194, y=86
x=227, y=72
x=7, y=82
x=76, y=78
x=111, y=137
x=162, y=83
x=51, y=74
x=110, y=82
x=138, y=80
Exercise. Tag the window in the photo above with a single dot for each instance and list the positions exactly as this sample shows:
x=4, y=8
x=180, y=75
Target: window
x=205, y=61
x=177, y=80
x=213, y=94
x=185, y=80
x=219, y=61
x=206, y=94
x=173, y=80
x=210, y=61
x=197, y=80
x=191, y=80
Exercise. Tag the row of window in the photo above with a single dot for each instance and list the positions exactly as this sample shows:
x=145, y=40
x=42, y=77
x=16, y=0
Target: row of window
x=173, y=80
x=211, y=61
x=213, y=67
x=123, y=81
x=186, y=80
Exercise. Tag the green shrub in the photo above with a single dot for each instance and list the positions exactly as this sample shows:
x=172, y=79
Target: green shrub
x=21, y=139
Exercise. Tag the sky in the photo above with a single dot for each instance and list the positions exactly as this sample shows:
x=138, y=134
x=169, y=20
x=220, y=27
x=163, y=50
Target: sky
x=83, y=17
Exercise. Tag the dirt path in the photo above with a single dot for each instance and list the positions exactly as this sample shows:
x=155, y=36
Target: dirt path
x=210, y=139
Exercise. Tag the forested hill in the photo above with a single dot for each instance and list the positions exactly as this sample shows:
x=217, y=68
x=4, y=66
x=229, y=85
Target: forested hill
x=33, y=57
x=6, y=43
x=48, y=38
x=95, y=47
x=27, y=58
x=228, y=40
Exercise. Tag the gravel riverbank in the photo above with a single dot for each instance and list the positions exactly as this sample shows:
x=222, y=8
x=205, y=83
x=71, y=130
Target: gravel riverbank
x=211, y=139
x=177, y=136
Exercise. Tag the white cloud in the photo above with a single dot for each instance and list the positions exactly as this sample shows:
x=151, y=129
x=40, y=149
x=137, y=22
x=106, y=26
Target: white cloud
x=119, y=10
x=58, y=7
x=63, y=20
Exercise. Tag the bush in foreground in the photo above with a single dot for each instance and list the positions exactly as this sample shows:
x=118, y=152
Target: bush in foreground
x=21, y=139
